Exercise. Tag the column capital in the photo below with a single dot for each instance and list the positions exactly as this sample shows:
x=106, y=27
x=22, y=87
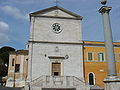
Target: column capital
x=104, y=9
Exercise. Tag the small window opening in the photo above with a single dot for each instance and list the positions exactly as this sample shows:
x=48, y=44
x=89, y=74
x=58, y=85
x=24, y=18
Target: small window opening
x=17, y=68
x=13, y=61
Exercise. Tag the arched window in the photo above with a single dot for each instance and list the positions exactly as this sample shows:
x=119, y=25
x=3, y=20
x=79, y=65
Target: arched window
x=91, y=79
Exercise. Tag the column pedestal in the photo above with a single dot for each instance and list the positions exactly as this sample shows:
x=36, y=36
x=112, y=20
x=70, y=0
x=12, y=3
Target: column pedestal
x=112, y=83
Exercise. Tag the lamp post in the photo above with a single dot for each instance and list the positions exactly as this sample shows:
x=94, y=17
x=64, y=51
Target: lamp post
x=112, y=80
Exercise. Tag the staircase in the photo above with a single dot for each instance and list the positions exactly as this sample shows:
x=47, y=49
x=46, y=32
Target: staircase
x=67, y=82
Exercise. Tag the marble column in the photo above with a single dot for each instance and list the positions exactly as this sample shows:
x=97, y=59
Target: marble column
x=104, y=10
x=112, y=82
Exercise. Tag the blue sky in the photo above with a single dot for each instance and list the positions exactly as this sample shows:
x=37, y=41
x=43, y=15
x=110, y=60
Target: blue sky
x=14, y=20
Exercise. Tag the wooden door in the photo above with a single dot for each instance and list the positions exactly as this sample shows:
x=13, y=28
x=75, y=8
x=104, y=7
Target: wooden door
x=56, y=69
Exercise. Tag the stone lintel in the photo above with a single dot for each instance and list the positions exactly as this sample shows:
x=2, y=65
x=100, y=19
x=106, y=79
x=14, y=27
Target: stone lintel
x=56, y=57
x=104, y=9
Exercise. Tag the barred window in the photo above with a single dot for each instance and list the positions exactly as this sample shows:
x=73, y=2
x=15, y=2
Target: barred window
x=90, y=56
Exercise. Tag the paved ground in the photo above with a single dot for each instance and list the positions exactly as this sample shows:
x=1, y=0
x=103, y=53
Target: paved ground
x=5, y=88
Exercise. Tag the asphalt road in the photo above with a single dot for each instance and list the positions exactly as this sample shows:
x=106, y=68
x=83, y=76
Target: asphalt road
x=6, y=88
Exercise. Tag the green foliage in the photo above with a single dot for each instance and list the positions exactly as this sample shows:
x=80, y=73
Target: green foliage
x=4, y=60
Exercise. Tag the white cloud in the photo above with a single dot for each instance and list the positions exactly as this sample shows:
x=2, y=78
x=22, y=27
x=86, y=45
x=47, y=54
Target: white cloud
x=4, y=29
x=26, y=2
x=3, y=38
x=14, y=12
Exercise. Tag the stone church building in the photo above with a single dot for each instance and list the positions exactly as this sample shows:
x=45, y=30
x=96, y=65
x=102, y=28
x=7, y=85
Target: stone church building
x=55, y=51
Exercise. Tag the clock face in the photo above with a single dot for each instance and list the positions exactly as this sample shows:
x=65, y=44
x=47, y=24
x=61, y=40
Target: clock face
x=56, y=28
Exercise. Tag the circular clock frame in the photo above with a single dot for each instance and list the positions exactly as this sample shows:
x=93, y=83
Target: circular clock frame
x=56, y=28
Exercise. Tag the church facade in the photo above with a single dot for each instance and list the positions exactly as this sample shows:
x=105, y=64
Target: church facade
x=55, y=50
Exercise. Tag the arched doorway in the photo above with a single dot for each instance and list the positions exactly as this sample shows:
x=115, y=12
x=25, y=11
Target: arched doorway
x=91, y=79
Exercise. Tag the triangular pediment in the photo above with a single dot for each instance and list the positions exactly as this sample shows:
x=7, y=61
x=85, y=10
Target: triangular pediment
x=56, y=11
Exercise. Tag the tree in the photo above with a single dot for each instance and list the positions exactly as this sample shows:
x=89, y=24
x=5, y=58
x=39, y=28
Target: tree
x=4, y=60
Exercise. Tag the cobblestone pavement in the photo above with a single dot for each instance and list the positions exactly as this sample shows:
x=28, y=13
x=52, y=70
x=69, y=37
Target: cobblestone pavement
x=6, y=88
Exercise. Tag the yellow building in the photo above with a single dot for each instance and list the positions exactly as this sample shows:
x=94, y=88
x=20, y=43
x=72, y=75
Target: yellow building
x=18, y=68
x=95, y=66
